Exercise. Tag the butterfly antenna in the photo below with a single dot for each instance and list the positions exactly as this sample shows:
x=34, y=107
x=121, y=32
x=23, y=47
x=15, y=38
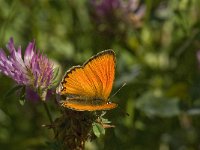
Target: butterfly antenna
x=125, y=113
x=118, y=90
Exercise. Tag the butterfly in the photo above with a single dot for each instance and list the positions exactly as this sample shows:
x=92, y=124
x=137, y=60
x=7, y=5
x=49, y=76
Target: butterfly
x=87, y=87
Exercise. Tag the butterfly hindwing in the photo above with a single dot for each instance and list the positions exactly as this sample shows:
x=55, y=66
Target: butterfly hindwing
x=81, y=107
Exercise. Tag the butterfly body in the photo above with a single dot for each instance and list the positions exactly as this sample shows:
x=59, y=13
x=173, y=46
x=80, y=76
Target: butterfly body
x=87, y=87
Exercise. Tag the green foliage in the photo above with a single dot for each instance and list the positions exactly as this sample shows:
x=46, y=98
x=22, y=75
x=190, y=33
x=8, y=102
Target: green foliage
x=22, y=96
x=12, y=91
x=98, y=129
x=157, y=58
x=158, y=106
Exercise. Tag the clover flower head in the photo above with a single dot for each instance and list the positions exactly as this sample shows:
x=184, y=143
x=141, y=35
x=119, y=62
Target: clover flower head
x=33, y=70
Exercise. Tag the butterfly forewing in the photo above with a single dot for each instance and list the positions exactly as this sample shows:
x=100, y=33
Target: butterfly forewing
x=76, y=82
x=103, y=69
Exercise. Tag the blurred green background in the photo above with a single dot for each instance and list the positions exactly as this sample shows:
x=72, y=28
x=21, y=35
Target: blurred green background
x=156, y=44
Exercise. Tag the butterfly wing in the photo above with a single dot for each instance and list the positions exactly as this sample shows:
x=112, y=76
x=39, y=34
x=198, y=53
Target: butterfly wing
x=92, y=80
x=88, y=107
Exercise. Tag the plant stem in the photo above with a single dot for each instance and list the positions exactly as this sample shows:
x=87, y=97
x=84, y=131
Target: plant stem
x=48, y=113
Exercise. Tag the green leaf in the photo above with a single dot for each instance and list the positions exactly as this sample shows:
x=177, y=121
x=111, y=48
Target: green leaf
x=98, y=129
x=194, y=111
x=22, y=96
x=103, y=113
x=153, y=105
x=22, y=101
x=12, y=91
x=105, y=121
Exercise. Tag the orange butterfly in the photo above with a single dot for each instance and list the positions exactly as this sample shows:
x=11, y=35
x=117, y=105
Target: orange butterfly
x=87, y=87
